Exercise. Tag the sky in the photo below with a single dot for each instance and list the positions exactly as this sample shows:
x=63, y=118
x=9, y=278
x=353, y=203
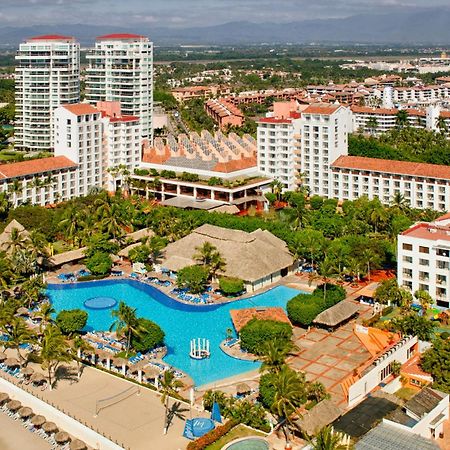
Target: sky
x=186, y=13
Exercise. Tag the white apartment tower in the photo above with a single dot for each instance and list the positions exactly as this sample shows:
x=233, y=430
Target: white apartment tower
x=78, y=137
x=324, y=131
x=121, y=70
x=47, y=75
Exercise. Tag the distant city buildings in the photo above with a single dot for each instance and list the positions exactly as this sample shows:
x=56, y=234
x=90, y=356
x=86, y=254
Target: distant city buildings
x=47, y=76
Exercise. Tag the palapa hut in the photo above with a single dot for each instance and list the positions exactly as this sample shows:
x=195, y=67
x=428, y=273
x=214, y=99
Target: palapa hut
x=259, y=258
x=336, y=315
x=321, y=415
x=5, y=237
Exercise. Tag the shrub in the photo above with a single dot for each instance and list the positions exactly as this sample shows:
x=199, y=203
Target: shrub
x=92, y=277
x=154, y=173
x=445, y=335
x=316, y=202
x=99, y=263
x=141, y=172
x=141, y=254
x=231, y=286
x=387, y=310
x=70, y=321
x=151, y=336
x=271, y=198
x=334, y=293
x=215, y=181
x=267, y=389
x=304, y=308
x=256, y=332
x=186, y=176
x=212, y=436
x=168, y=174
x=194, y=278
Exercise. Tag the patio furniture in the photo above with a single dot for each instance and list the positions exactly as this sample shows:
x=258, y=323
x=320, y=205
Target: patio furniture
x=38, y=420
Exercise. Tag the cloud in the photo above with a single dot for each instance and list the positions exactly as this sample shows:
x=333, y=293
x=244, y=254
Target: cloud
x=191, y=12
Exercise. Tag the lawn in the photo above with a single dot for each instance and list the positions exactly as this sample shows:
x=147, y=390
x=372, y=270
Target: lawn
x=237, y=432
x=406, y=393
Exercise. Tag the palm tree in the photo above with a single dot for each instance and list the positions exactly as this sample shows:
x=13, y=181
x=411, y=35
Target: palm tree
x=372, y=125
x=31, y=290
x=327, y=439
x=210, y=258
x=274, y=355
x=16, y=187
x=277, y=188
x=54, y=350
x=405, y=299
x=401, y=119
x=79, y=345
x=379, y=218
x=169, y=387
x=5, y=271
x=72, y=222
x=399, y=202
x=441, y=125
x=18, y=333
x=5, y=204
x=370, y=259
x=325, y=272
x=112, y=217
x=45, y=313
x=18, y=240
x=290, y=393
x=126, y=323
x=424, y=299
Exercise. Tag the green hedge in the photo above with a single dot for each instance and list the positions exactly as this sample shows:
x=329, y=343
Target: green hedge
x=212, y=436
x=304, y=308
x=256, y=332
x=231, y=286
x=92, y=277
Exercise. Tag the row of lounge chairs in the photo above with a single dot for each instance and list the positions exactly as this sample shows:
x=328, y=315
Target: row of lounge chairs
x=159, y=282
x=71, y=277
x=201, y=299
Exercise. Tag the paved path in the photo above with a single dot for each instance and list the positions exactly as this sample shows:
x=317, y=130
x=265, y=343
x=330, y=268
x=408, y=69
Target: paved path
x=14, y=436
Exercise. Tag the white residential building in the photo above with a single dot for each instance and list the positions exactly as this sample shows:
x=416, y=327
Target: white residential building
x=122, y=149
x=423, y=259
x=47, y=75
x=324, y=132
x=78, y=137
x=121, y=70
x=41, y=181
x=422, y=185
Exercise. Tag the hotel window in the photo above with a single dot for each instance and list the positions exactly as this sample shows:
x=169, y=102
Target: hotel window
x=424, y=262
x=424, y=249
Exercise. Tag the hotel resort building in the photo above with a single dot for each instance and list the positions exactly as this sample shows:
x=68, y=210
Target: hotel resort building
x=47, y=75
x=121, y=70
x=202, y=172
x=312, y=151
x=423, y=259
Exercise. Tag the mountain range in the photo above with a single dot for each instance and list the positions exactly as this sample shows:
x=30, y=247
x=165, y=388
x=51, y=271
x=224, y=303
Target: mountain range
x=410, y=27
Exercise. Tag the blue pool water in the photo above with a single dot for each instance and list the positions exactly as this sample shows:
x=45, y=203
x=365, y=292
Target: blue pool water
x=181, y=322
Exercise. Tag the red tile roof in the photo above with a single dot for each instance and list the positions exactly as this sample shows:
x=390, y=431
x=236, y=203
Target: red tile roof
x=35, y=166
x=321, y=109
x=119, y=36
x=428, y=231
x=80, y=109
x=124, y=119
x=274, y=120
x=51, y=37
x=393, y=167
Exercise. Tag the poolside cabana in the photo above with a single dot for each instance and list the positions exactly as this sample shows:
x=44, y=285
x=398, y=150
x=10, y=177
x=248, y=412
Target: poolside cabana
x=69, y=257
x=140, y=234
x=367, y=294
x=5, y=237
x=259, y=258
x=318, y=417
x=336, y=315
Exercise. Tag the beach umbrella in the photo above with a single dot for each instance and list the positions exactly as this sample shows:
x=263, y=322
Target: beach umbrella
x=12, y=362
x=151, y=372
x=62, y=437
x=37, y=378
x=103, y=354
x=119, y=362
x=25, y=412
x=13, y=405
x=242, y=388
x=76, y=444
x=4, y=397
x=3, y=356
x=23, y=312
x=27, y=371
x=215, y=413
x=38, y=421
x=49, y=427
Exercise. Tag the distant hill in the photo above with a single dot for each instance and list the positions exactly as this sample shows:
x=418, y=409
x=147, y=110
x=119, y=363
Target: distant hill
x=415, y=26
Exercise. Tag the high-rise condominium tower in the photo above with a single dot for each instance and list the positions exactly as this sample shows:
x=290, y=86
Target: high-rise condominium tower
x=47, y=76
x=121, y=70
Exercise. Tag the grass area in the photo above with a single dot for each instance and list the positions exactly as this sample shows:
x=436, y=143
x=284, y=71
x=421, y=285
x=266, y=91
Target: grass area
x=61, y=247
x=406, y=393
x=237, y=432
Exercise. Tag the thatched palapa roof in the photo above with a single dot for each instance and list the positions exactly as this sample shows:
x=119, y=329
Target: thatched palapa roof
x=336, y=314
x=5, y=237
x=68, y=257
x=321, y=415
x=248, y=256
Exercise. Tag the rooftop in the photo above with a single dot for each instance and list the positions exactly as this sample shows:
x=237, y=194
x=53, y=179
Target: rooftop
x=324, y=109
x=241, y=317
x=424, y=402
x=388, y=437
x=430, y=231
x=80, y=109
x=51, y=37
x=35, y=166
x=393, y=167
x=337, y=314
x=120, y=36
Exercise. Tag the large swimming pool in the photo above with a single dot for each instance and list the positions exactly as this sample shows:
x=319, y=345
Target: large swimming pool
x=181, y=322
